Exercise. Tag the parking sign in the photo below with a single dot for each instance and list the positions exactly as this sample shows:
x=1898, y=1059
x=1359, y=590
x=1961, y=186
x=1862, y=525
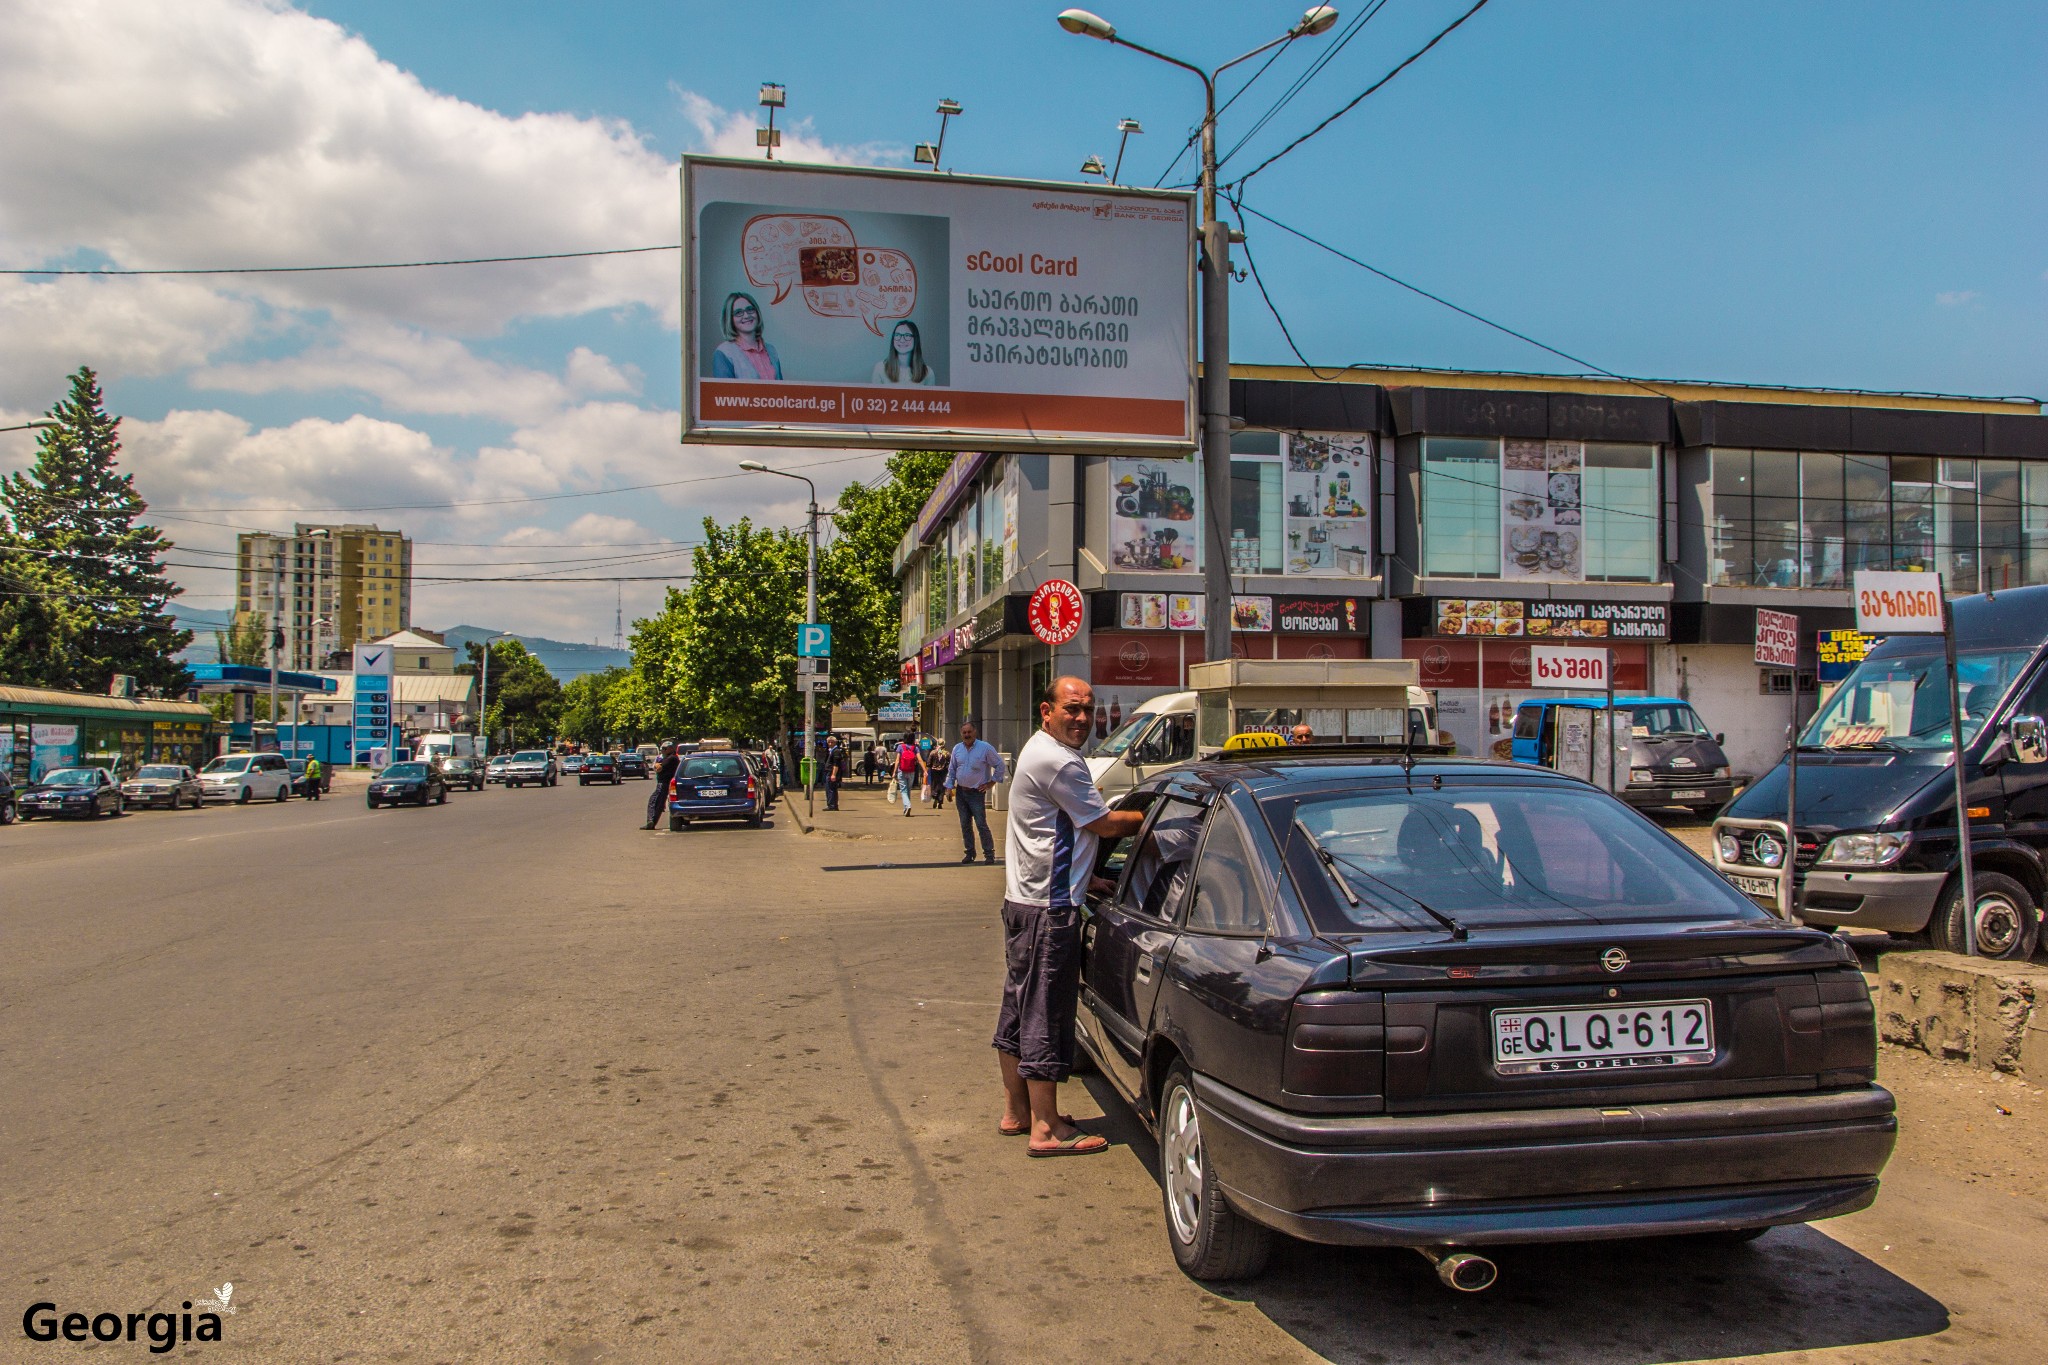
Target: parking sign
x=814, y=640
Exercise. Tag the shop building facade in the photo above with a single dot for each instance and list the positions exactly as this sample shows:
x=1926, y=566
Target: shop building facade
x=42, y=730
x=1452, y=518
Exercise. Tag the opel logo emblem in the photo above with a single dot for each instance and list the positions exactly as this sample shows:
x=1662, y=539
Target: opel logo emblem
x=1614, y=960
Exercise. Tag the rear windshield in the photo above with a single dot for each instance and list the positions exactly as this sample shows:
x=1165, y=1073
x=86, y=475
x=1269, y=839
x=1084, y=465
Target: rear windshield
x=1507, y=856
x=713, y=765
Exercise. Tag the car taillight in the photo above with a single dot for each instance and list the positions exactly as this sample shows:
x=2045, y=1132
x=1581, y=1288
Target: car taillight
x=1336, y=1049
x=750, y=788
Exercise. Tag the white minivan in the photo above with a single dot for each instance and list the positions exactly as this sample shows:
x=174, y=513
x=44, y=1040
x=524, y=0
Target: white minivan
x=243, y=778
x=441, y=744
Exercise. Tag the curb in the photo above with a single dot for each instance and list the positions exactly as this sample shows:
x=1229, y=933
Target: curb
x=789, y=805
x=1981, y=1012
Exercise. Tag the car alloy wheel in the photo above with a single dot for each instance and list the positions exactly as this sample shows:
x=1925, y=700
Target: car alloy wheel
x=242, y=797
x=1210, y=1239
x=2008, y=922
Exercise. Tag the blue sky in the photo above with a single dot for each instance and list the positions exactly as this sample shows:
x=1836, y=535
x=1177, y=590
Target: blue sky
x=1819, y=194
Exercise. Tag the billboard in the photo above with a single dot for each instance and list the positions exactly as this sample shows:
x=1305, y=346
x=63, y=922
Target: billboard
x=857, y=307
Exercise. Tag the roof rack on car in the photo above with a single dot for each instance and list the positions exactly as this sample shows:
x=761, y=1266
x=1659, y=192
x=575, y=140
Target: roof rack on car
x=1406, y=753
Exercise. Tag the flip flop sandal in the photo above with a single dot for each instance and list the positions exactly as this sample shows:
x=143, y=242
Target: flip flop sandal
x=1072, y=1146
x=1004, y=1130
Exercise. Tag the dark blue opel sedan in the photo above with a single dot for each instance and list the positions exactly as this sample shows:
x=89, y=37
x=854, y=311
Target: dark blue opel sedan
x=1449, y=1005
x=719, y=785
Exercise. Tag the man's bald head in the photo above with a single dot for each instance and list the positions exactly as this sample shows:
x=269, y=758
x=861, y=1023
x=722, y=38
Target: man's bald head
x=1067, y=710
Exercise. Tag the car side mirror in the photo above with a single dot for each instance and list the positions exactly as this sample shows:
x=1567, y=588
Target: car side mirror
x=1720, y=737
x=2027, y=738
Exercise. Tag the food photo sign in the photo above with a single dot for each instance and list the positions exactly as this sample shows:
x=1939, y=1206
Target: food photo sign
x=1541, y=518
x=884, y=308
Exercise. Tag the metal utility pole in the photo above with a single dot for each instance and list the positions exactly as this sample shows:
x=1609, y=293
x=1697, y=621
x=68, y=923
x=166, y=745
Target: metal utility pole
x=1215, y=268
x=1967, y=860
x=276, y=632
x=810, y=619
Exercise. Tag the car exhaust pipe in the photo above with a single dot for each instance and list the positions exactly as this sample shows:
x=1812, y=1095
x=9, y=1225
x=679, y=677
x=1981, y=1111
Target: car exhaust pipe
x=1461, y=1270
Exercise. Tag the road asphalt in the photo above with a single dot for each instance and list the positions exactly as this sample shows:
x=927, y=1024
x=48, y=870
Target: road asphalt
x=509, y=1079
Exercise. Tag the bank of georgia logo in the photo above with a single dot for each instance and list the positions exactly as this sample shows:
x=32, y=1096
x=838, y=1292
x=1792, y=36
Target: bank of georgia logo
x=221, y=1296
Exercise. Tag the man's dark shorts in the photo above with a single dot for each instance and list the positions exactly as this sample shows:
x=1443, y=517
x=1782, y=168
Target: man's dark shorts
x=1042, y=987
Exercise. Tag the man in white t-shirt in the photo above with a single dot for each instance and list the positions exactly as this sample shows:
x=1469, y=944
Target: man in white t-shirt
x=1057, y=822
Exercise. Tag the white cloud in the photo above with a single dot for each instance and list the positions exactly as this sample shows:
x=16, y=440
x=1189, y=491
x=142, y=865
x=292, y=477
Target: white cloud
x=1956, y=298
x=125, y=327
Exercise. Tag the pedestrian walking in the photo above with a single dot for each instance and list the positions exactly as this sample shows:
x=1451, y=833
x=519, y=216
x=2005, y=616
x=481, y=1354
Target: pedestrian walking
x=1057, y=822
x=313, y=774
x=835, y=770
x=976, y=767
x=936, y=764
x=867, y=767
x=663, y=775
x=907, y=767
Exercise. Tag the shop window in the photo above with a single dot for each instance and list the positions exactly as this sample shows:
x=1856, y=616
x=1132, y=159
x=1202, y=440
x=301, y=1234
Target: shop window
x=1460, y=508
x=1621, y=512
x=1255, y=515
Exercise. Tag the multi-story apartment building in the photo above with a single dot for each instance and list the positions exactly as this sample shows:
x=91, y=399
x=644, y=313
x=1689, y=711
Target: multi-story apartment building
x=325, y=587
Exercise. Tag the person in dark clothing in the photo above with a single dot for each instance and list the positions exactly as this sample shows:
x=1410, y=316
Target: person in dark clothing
x=663, y=775
x=835, y=771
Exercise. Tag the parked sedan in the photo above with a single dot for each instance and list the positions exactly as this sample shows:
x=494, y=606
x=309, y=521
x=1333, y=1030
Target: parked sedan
x=418, y=783
x=169, y=785
x=715, y=786
x=631, y=763
x=597, y=768
x=467, y=773
x=1463, y=1005
x=87, y=792
x=72, y=790
x=573, y=763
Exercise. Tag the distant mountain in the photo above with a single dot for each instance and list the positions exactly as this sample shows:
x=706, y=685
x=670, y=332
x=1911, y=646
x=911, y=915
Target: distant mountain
x=566, y=661
x=202, y=624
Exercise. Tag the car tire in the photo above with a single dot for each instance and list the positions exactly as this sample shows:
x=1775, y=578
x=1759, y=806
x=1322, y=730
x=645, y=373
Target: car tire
x=284, y=793
x=676, y=824
x=1210, y=1239
x=2008, y=921
x=8, y=814
x=242, y=798
x=754, y=820
x=371, y=801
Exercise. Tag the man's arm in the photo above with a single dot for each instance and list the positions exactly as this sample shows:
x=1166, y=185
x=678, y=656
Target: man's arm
x=1116, y=824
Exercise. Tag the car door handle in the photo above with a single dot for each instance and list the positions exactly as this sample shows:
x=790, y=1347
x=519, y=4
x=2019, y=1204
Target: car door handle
x=1144, y=967
x=1088, y=936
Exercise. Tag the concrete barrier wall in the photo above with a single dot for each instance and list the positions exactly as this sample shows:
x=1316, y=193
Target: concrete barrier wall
x=1964, y=1009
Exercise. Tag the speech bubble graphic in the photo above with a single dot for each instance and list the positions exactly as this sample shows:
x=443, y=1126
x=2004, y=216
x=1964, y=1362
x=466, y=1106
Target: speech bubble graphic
x=884, y=288
x=771, y=245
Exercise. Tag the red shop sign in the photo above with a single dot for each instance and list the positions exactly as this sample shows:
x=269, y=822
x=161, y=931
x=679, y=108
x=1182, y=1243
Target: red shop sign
x=1055, y=611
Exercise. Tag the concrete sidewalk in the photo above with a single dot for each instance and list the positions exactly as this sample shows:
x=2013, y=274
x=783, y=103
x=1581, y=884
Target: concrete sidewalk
x=874, y=814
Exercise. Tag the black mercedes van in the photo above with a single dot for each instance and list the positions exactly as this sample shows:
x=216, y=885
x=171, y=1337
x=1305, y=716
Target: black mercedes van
x=1876, y=822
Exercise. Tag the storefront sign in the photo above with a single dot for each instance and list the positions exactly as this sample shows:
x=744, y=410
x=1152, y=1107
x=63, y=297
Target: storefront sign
x=1554, y=619
x=896, y=711
x=936, y=653
x=1559, y=666
x=1159, y=610
x=1898, y=603
x=831, y=305
x=1134, y=661
x=1321, y=615
x=1328, y=490
x=1777, y=639
x=1056, y=611
x=1840, y=651
x=1251, y=613
x=1152, y=515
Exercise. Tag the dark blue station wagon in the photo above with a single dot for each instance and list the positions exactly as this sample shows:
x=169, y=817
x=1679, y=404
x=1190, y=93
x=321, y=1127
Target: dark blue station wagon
x=1456, y=1004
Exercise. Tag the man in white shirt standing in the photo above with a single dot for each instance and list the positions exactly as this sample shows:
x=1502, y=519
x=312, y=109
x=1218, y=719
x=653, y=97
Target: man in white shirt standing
x=975, y=768
x=1057, y=822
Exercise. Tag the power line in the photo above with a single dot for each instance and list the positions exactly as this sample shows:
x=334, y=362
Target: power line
x=1323, y=59
x=1369, y=90
x=330, y=269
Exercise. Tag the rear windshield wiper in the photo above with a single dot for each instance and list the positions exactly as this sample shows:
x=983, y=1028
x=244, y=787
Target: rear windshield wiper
x=1329, y=862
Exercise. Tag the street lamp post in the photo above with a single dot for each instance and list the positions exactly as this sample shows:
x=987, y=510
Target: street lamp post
x=39, y=424
x=810, y=619
x=1215, y=266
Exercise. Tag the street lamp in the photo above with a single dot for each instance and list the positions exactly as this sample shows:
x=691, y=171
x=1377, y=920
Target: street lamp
x=768, y=138
x=1215, y=266
x=1125, y=127
x=1093, y=166
x=928, y=153
x=40, y=424
x=810, y=619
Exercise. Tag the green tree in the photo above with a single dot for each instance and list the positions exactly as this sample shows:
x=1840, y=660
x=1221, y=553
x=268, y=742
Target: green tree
x=77, y=511
x=525, y=701
x=244, y=641
x=42, y=624
x=586, y=715
x=857, y=587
